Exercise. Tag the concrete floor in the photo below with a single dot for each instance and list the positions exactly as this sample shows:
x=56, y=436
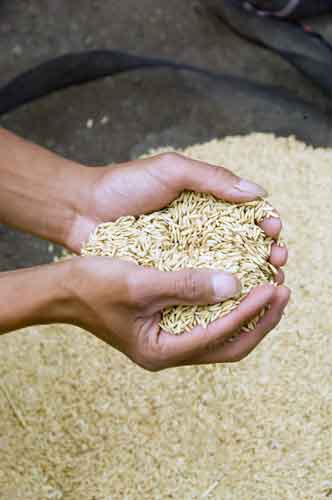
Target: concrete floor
x=139, y=115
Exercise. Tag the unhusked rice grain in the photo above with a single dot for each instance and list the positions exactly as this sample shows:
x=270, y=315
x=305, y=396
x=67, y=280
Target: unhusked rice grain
x=98, y=426
x=195, y=231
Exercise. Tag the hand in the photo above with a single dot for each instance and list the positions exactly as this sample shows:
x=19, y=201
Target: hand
x=115, y=301
x=146, y=185
x=121, y=304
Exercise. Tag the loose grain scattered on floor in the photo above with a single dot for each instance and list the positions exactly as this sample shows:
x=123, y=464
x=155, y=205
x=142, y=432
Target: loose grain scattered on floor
x=96, y=426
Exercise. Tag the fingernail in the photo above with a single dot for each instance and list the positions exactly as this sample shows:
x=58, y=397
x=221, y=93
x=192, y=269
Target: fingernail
x=225, y=286
x=251, y=188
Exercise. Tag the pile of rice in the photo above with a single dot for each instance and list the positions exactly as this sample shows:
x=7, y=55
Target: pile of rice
x=80, y=421
x=195, y=231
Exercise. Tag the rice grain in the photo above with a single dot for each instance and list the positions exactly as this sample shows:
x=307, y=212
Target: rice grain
x=195, y=231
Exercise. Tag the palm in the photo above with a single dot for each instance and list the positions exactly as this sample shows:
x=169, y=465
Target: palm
x=129, y=190
x=146, y=185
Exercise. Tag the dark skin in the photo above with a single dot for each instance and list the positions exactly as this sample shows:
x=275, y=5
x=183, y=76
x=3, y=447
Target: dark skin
x=115, y=300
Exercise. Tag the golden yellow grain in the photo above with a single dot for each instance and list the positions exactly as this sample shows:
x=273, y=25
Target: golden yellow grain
x=195, y=231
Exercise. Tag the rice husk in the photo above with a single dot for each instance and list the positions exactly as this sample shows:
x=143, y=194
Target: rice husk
x=80, y=421
x=195, y=231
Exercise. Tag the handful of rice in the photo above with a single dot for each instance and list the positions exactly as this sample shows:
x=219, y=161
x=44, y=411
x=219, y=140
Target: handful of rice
x=195, y=231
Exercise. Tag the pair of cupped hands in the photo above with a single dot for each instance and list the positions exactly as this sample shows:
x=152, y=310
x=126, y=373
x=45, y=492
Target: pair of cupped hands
x=121, y=303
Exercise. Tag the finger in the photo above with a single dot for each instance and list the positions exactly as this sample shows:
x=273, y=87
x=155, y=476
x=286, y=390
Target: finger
x=206, y=178
x=247, y=341
x=272, y=226
x=279, y=255
x=280, y=277
x=159, y=289
x=201, y=340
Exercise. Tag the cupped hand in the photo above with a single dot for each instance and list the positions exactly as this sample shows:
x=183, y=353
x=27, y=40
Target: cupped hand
x=147, y=185
x=121, y=304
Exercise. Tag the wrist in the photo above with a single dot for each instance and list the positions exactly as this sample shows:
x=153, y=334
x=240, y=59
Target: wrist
x=82, y=181
x=34, y=296
x=60, y=297
x=70, y=302
x=41, y=192
x=57, y=296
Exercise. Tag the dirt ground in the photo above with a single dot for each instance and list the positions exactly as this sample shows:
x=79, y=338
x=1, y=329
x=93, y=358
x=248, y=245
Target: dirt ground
x=138, y=114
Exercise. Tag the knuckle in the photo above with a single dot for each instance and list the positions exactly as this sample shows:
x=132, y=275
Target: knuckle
x=168, y=158
x=136, y=290
x=188, y=286
x=176, y=166
x=222, y=174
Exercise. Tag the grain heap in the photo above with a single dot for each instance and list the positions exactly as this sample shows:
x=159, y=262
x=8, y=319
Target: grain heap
x=81, y=421
x=195, y=231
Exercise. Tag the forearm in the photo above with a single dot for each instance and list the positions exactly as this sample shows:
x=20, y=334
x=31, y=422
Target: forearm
x=40, y=192
x=34, y=296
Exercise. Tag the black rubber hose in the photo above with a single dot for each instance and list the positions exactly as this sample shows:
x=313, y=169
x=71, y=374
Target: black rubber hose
x=77, y=68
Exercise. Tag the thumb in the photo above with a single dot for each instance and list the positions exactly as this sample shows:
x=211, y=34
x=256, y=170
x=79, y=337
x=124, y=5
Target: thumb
x=189, y=286
x=203, y=177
